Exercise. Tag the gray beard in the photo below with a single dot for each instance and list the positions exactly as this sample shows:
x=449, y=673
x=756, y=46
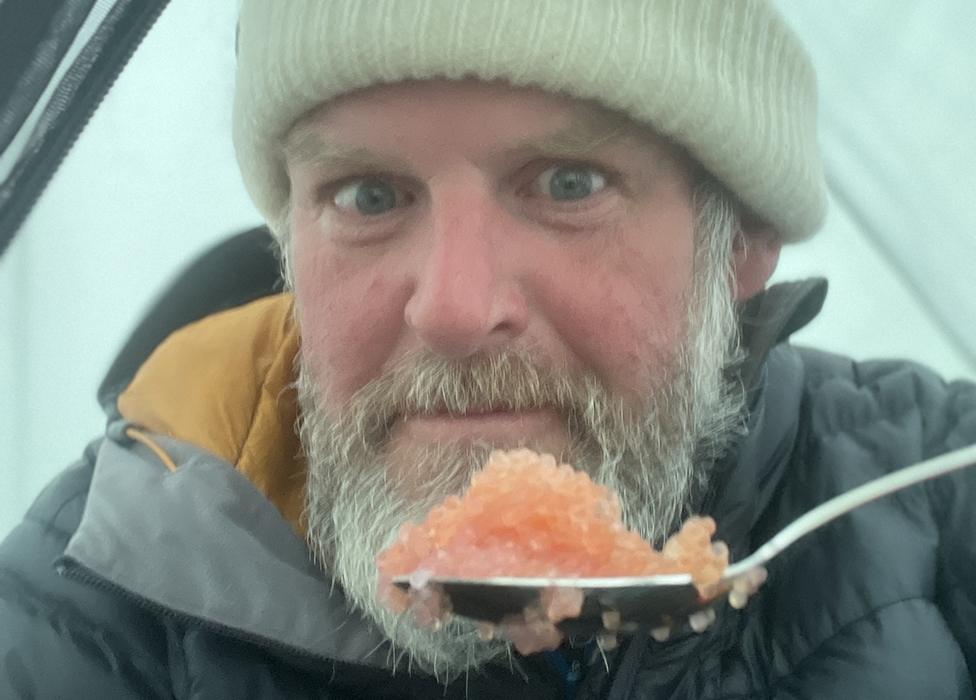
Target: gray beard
x=656, y=458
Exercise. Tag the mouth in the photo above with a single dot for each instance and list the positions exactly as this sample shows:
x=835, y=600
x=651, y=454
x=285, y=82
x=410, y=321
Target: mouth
x=495, y=426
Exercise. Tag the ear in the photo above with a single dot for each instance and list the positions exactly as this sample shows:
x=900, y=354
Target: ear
x=755, y=252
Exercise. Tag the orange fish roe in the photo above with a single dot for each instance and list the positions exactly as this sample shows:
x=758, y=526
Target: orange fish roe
x=524, y=515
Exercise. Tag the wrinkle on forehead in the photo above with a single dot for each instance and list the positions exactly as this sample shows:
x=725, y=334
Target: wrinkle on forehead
x=586, y=129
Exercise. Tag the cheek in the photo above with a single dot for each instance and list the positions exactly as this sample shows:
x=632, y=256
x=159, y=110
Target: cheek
x=622, y=308
x=347, y=314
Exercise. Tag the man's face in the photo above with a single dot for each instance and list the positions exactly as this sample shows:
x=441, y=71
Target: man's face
x=477, y=267
x=463, y=219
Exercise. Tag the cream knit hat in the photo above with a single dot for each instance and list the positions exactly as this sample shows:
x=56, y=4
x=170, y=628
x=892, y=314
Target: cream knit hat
x=725, y=78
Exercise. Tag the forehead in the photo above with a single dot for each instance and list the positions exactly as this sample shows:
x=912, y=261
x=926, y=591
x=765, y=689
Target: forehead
x=466, y=114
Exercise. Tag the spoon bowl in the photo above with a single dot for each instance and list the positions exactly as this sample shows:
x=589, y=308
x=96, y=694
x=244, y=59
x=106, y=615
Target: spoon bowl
x=666, y=600
x=654, y=601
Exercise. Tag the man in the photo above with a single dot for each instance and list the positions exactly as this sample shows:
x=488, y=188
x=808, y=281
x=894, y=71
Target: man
x=542, y=224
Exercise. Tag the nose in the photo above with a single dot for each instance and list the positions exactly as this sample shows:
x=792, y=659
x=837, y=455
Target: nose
x=466, y=298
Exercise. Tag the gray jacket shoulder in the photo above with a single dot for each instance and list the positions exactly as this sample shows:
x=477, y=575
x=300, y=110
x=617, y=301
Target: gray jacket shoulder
x=59, y=638
x=887, y=398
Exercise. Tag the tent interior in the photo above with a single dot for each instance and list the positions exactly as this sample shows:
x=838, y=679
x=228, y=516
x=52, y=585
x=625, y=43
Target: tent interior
x=152, y=181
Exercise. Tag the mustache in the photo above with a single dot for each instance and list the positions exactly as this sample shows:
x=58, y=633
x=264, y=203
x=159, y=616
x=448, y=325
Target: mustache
x=425, y=384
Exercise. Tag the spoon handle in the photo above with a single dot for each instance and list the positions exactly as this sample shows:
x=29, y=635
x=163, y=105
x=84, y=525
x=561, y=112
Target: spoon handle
x=855, y=498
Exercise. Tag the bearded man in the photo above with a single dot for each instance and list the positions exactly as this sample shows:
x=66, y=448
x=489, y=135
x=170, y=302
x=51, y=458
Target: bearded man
x=503, y=224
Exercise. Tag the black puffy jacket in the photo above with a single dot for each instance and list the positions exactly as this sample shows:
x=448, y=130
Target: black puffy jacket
x=126, y=580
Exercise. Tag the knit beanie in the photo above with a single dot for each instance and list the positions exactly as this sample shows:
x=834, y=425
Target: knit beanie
x=726, y=79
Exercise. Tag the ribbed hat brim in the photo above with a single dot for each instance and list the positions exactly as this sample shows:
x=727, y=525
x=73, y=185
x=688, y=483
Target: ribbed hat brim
x=727, y=80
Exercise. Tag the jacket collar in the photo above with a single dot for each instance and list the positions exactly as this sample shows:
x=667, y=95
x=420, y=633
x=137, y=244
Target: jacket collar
x=742, y=483
x=201, y=543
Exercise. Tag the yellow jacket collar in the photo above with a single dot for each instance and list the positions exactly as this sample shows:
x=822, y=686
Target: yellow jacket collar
x=226, y=385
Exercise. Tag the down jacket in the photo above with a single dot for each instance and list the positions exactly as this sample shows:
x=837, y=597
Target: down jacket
x=167, y=563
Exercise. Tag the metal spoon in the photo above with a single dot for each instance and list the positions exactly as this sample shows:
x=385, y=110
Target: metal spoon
x=661, y=602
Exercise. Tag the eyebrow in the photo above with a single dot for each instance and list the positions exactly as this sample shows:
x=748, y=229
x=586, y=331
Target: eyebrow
x=306, y=146
x=580, y=139
x=584, y=136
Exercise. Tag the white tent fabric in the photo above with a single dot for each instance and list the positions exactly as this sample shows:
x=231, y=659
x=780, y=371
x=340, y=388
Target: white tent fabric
x=152, y=181
x=898, y=107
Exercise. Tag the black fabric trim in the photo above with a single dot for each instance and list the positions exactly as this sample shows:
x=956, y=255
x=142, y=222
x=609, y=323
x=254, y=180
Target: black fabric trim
x=35, y=36
x=72, y=104
x=626, y=676
x=772, y=316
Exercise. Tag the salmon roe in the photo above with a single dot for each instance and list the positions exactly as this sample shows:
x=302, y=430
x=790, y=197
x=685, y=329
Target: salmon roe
x=524, y=515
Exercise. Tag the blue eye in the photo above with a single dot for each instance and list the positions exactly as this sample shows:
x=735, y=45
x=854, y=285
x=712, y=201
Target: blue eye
x=568, y=183
x=369, y=197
